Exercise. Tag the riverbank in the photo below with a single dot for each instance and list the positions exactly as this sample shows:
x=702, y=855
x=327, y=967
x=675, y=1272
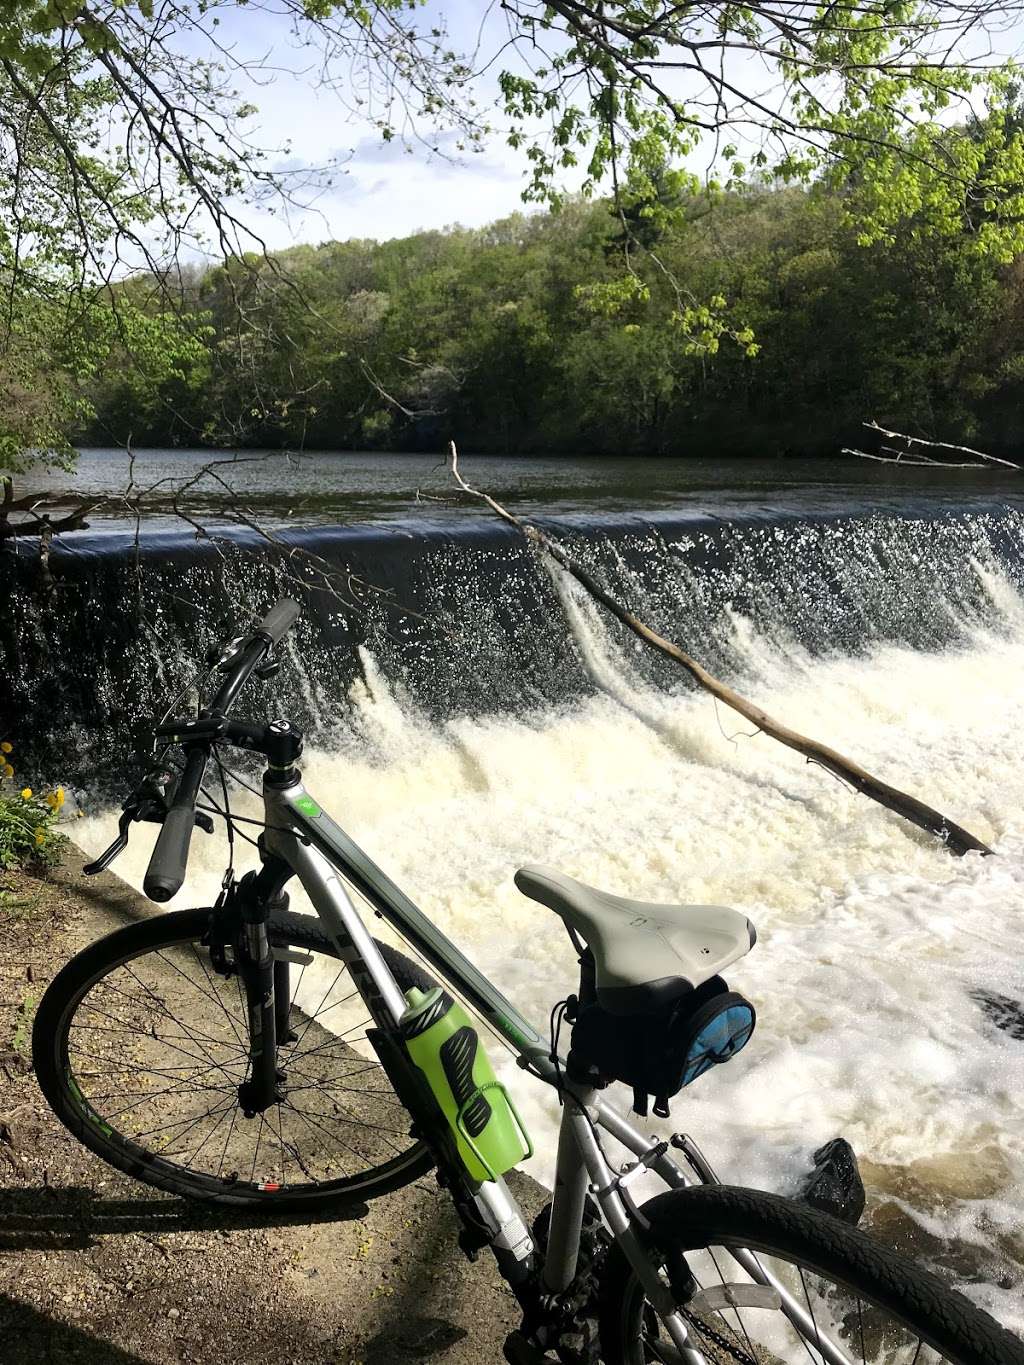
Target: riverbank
x=95, y=1267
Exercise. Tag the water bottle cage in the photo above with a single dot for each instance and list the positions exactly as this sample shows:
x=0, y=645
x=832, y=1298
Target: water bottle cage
x=464, y=1121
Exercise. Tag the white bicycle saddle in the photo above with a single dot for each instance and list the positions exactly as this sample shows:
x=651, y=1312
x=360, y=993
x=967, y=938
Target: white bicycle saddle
x=646, y=956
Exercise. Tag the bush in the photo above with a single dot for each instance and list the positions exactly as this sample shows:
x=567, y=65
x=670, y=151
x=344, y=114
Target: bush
x=28, y=833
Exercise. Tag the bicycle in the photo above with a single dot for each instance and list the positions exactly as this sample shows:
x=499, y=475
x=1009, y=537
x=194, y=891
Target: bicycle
x=201, y=1051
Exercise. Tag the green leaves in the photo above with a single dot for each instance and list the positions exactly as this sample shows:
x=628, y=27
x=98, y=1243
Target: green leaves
x=875, y=99
x=760, y=326
x=674, y=112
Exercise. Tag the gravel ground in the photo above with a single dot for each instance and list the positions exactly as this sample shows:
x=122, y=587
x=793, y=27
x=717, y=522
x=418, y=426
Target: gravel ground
x=97, y=1268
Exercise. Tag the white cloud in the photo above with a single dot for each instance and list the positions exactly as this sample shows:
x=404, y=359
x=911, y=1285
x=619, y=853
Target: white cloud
x=380, y=189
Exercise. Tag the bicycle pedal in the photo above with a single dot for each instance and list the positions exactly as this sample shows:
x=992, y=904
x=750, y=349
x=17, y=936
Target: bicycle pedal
x=518, y=1351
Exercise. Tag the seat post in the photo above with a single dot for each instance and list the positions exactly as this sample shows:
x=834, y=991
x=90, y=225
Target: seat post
x=568, y=1203
x=588, y=973
x=579, y=1072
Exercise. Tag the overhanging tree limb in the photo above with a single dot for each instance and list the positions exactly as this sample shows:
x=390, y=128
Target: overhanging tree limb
x=957, y=839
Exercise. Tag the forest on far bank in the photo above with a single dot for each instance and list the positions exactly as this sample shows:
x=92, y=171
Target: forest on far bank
x=522, y=337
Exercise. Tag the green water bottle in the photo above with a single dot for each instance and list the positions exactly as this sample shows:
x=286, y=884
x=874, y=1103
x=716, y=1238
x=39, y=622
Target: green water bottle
x=445, y=1046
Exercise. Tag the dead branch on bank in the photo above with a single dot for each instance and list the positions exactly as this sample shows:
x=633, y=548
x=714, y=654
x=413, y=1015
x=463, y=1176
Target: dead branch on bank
x=36, y=520
x=301, y=569
x=957, y=839
x=913, y=452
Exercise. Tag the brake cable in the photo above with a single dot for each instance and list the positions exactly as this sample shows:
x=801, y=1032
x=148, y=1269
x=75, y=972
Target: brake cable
x=230, y=870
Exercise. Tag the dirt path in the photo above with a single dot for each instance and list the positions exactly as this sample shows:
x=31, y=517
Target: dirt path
x=97, y=1268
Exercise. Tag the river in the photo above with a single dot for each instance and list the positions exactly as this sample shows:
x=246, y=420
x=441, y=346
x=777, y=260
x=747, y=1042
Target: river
x=481, y=715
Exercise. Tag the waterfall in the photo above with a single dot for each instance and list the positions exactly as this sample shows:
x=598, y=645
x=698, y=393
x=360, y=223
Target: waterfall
x=488, y=715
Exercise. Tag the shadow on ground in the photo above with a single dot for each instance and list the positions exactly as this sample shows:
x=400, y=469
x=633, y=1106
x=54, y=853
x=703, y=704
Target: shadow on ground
x=75, y=1217
x=29, y=1335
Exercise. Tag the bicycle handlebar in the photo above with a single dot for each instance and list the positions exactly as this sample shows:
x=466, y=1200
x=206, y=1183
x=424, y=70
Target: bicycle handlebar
x=270, y=631
x=279, y=620
x=169, y=860
x=165, y=874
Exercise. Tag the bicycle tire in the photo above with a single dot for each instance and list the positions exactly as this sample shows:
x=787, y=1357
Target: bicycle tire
x=694, y=1219
x=55, y=1019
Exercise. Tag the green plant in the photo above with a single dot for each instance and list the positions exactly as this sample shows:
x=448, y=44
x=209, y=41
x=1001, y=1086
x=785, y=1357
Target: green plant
x=13, y=906
x=22, y=1020
x=28, y=833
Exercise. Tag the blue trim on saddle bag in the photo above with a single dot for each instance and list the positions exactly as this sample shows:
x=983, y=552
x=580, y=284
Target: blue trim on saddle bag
x=716, y=1031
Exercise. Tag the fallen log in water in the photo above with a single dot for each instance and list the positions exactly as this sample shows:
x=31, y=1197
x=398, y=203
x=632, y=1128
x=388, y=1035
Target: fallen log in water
x=957, y=839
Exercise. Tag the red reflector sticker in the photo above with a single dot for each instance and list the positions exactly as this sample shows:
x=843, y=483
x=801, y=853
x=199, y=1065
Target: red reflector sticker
x=268, y=1185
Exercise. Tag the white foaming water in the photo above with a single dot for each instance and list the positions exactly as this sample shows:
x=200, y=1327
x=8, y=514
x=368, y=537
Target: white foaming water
x=871, y=938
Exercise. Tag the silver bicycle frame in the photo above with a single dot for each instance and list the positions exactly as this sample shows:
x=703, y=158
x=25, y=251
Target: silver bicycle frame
x=327, y=861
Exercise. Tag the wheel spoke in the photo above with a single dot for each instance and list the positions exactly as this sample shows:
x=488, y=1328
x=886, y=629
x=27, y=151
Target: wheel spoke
x=256, y=1153
x=350, y=1122
x=839, y=1322
x=227, y=1141
x=158, y=1046
x=742, y=1327
x=311, y=1122
x=114, y=1114
x=196, y=1033
x=309, y=1021
x=217, y=996
x=810, y=1311
x=195, y=1154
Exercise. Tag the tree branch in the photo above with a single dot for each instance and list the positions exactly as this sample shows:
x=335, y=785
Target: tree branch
x=954, y=836
x=891, y=455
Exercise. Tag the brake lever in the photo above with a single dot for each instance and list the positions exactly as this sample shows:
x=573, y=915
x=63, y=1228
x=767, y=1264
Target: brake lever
x=148, y=803
x=154, y=815
x=119, y=845
x=151, y=803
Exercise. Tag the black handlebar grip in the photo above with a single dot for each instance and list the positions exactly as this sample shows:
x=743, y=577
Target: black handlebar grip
x=279, y=620
x=165, y=874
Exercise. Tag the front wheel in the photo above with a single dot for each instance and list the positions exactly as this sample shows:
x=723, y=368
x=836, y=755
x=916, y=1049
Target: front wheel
x=140, y=1047
x=856, y=1302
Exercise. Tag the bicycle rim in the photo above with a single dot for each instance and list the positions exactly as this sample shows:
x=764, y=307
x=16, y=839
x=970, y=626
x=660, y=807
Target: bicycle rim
x=141, y=1047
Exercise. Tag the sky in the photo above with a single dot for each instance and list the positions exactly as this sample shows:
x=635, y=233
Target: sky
x=384, y=190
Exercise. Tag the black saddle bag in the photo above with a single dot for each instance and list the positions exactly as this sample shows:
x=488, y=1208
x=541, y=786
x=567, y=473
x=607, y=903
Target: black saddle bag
x=659, y=1054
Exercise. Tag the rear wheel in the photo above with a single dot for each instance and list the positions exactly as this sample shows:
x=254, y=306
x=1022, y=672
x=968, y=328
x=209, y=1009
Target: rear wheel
x=863, y=1304
x=140, y=1047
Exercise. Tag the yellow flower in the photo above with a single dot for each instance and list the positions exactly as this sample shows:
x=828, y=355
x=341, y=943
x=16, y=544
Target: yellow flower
x=59, y=794
x=26, y=793
x=8, y=770
x=51, y=800
x=6, y=747
x=40, y=837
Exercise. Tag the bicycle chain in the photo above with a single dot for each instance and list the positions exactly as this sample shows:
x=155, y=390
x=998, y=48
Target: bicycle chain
x=722, y=1342
x=583, y=1346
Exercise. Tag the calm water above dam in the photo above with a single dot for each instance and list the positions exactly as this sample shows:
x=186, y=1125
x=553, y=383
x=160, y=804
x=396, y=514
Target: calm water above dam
x=314, y=488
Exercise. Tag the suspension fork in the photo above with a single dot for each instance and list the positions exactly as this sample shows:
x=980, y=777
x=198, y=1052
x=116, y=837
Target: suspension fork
x=283, y=1002
x=267, y=992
